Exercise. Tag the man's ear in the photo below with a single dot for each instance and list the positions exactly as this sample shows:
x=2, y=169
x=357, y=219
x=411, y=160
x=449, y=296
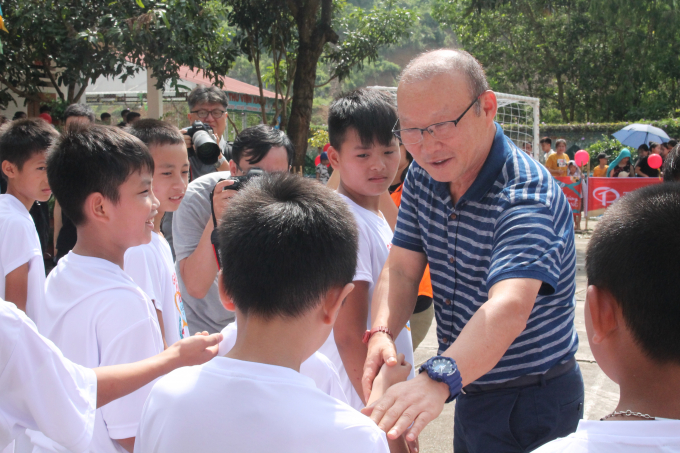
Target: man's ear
x=9, y=169
x=334, y=299
x=233, y=169
x=333, y=157
x=96, y=207
x=227, y=301
x=489, y=104
x=604, y=313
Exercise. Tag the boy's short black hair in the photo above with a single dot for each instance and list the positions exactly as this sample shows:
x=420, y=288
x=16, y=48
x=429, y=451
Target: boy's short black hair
x=671, y=166
x=45, y=108
x=254, y=143
x=155, y=132
x=653, y=145
x=643, y=147
x=21, y=139
x=285, y=241
x=124, y=112
x=79, y=110
x=19, y=116
x=546, y=140
x=105, y=115
x=670, y=144
x=371, y=113
x=131, y=116
x=93, y=158
x=633, y=255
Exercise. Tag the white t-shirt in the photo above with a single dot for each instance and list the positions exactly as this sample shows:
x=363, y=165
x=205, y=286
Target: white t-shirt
x=317, y=367
x=375, y=242
x=151, y=267
x=19, y=244
x=39, y=388
x=626, y=436
x=98, y=316
x=241, y=406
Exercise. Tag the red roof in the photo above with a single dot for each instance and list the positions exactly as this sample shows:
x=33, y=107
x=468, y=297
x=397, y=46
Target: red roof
x=232, y=85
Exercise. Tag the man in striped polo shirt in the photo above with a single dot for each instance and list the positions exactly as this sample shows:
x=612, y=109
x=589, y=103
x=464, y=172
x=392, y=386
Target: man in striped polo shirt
x=498, y=235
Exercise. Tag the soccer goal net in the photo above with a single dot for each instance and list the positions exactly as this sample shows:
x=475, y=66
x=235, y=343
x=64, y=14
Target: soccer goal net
x=518, y=115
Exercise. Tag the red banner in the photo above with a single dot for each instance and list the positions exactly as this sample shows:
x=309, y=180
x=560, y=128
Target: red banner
x=603, y=192
x=572, y=190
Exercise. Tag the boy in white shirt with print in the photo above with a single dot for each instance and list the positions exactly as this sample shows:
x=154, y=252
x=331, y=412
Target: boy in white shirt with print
x=23, y=147
x=40, y=389
x=93, y=311
x=366, y=154
x=632, y=325
x=288, y=250
x=151, y=265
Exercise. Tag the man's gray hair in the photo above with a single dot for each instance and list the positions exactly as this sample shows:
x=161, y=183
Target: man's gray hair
x=446, y=61
x=202, y=94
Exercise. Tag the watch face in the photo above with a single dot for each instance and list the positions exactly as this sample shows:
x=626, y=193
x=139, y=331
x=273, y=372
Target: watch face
x=442, y=366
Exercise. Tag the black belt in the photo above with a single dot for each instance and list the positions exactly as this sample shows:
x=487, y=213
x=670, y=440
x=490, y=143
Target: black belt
x=524, y=381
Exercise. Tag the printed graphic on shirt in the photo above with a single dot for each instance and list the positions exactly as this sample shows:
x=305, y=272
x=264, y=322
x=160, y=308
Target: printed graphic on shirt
x=561, y=163
x=179, y=306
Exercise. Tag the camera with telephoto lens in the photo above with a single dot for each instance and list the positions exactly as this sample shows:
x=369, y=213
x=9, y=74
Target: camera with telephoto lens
x=204, y=143
x=239, y=183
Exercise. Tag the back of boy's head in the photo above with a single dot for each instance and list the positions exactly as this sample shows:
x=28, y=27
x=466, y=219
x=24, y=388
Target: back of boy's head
x=285, y=241
x=93, y=159
x=671, y=166
x=79, y=110
x=155, y=132
x=633, y=254
x=21, y=139
x=371, y=113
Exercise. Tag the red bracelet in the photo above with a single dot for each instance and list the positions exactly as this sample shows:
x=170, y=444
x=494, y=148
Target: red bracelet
x=369, y=333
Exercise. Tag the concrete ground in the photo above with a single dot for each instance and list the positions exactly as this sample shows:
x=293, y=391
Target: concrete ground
x=601, y=393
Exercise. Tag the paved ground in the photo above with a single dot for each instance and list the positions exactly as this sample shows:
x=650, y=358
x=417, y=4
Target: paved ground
x=601, y=392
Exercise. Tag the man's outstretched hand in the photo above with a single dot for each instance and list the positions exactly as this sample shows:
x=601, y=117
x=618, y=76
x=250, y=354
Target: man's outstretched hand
x=381, y=350
x=418, y=401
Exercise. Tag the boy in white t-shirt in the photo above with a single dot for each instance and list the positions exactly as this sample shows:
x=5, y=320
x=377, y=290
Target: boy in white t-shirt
x=632, y=322
x=23, y=147
x=288, y=250
x=151, y=265
x=93, y=311
x=41, y=389
x=366, y=154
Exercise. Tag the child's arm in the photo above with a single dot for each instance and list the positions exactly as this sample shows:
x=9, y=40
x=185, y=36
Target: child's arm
x=16, y=287
x=116, y=381
x=349, y=329
x=387, y=377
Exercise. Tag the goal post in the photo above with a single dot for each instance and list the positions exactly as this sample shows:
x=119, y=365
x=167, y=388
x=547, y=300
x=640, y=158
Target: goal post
x=517, y=115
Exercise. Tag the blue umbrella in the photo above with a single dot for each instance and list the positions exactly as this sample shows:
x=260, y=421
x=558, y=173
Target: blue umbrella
x=635, y=135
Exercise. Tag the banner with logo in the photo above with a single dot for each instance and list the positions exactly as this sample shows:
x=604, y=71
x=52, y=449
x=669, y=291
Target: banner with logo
x=603, y=192
x=572, y=190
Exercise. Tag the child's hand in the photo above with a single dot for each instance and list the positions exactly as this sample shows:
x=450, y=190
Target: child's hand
x=194, y=350
x=388, y=376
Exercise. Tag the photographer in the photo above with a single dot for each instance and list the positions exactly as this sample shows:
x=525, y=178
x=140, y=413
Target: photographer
x=256, y=147
x=209, y=106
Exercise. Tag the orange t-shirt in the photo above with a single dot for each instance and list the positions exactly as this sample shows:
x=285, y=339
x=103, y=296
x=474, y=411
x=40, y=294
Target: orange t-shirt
x=597, y=173
x=425, y=288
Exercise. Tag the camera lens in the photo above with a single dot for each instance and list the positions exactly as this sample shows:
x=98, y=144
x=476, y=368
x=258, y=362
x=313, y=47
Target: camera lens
x=207, y=150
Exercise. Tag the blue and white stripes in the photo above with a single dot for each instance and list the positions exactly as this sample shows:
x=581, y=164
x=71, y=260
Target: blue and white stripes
x=513, y=222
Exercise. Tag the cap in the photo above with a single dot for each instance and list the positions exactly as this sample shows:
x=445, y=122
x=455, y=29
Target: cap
x=324, y=156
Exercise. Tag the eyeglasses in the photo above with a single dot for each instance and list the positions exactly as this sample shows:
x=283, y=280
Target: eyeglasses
x=443, y=130
x=203, y=114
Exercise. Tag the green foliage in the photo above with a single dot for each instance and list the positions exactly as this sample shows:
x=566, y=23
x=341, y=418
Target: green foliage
x=588, y=60
x=319, y=138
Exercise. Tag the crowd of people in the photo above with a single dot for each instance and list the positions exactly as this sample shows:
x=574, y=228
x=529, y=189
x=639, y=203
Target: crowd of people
x=226, y=304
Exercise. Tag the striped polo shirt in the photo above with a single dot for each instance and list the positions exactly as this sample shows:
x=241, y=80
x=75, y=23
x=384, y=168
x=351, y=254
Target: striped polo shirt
x=513, y=222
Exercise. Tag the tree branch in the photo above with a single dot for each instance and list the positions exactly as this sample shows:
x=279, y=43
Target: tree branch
x=47, y=67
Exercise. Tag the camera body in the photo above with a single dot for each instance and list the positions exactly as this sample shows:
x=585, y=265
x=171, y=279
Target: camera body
x=204, y=142
x=240, y=181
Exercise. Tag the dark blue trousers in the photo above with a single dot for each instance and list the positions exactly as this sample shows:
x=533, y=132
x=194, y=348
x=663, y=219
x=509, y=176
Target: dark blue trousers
x=518, y=419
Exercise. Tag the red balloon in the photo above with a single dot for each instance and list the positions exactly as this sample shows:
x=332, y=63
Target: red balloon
x=581, y=157
x=654, y=161
x=326, y=146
